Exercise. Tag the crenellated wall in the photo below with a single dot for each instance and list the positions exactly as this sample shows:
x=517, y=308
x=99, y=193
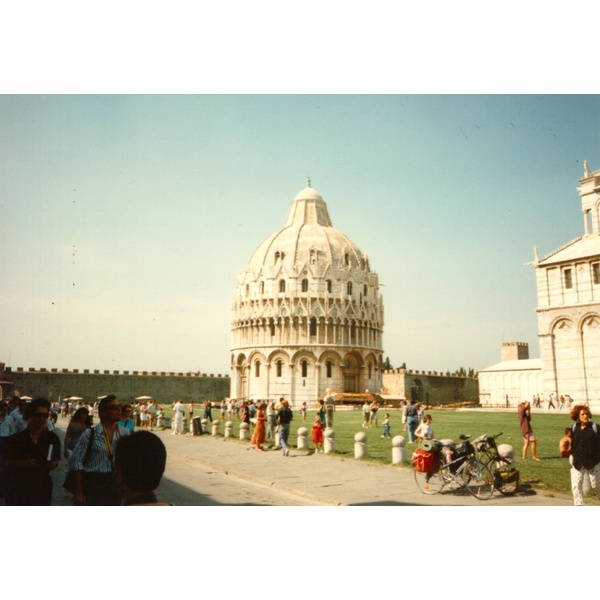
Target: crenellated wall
x=431, y=387
x=164, y=387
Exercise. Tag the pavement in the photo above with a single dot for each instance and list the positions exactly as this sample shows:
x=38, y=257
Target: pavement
x=328, y=479
x=307, y=478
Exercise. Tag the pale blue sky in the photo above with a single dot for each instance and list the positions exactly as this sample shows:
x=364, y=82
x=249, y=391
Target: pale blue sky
x=126, y=219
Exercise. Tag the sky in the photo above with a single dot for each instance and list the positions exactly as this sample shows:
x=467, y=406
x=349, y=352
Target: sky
x=126, y=219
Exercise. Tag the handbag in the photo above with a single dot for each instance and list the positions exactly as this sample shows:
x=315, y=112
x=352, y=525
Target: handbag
x=69, y=483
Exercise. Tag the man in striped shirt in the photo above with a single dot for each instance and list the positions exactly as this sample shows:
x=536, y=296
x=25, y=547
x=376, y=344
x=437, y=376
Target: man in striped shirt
x=92, y=459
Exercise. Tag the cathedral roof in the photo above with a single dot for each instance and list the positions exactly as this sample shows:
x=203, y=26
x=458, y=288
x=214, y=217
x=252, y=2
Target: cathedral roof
x=583, y=247
x=308, y=237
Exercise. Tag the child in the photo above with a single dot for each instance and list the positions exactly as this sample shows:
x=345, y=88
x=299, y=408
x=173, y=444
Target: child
x=317, y=434
x=386, y=426
x=565, y=443
x=425, y=431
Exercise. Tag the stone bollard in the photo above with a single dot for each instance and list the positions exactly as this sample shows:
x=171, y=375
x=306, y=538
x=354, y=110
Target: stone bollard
x=360, y=445
x=328, y=440
x=215, y=427
x=204, y=426
x=244, y=434
x=398, y=450
x=302, y=438
x=229, y=429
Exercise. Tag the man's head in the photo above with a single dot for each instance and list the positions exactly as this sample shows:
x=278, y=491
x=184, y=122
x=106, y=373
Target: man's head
x=37, y=413
x=109, y=409
x=140, y=460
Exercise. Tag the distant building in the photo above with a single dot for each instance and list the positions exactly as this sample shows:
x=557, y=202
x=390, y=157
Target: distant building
x=516, y=378
x=568, y=289
x=307, y=314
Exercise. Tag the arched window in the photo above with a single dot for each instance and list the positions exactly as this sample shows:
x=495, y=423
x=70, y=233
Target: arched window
x=328, y=286
x=305, y=285
x=304, y=366
x=247, y=290
x=262, y=287
x=257, y=368
x=313, y=326
x=329, y=366
x=272, y=326
x=365, y=290
x=279, y=368
x=282, y=285
x=347, y=260
x=349, y=288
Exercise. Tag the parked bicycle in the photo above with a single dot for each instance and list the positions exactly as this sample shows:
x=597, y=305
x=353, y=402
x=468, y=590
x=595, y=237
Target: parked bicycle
x=454, y=465
x=499, y=459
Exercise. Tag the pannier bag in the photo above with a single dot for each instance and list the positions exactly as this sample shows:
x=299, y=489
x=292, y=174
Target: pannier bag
x=461, y=450
x=423, y=460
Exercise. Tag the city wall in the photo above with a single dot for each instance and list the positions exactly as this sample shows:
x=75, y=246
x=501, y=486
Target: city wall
x=164, y=387
x=431, y=387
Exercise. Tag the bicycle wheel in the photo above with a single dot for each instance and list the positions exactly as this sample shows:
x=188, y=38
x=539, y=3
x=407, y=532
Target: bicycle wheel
x=478, y=479
x=430, y=483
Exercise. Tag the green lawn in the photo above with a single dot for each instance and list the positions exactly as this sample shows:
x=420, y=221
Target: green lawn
x=551, y=474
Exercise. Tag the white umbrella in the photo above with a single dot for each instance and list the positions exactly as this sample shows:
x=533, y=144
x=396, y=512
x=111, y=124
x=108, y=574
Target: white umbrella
x=144, y=398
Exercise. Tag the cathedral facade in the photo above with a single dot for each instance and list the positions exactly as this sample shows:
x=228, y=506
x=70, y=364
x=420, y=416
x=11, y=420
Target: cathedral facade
x=307, y=314
x=568, y=289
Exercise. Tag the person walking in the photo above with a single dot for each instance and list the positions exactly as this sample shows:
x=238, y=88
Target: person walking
x=366, y=412
x=258, y=437
x=585, y=452
x=271, y=419
x=329, y=407
x=412, y=420
x=524, y=416
x=178, y=411
x=77, y=425
x=284, y=420
x=92, y=459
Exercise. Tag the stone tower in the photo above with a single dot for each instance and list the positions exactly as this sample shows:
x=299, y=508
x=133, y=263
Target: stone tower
x=568, y=288
x=307, y=313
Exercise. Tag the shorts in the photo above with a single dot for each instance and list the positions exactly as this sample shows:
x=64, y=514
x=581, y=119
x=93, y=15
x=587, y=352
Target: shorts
x=529, y=437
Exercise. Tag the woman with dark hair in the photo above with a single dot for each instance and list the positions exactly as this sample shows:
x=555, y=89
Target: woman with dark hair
x=259, y=435
x=30, y=456
x=585, y=452
x=524, y=416
x=77, y=425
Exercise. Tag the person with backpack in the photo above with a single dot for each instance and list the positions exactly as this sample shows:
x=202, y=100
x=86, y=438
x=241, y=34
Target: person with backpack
x=585, y=452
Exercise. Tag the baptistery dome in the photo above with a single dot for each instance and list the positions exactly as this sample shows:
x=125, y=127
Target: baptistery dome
x=307, y=314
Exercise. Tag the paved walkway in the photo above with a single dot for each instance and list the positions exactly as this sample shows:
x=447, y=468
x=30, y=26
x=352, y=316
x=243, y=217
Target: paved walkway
x=329, y=479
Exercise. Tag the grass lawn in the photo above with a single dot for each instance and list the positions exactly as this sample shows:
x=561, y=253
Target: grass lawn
x=551, y=474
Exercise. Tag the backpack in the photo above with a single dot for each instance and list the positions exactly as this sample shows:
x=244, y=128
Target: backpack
x=594, y=427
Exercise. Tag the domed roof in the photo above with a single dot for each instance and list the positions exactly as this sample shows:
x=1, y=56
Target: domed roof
x=308, y=237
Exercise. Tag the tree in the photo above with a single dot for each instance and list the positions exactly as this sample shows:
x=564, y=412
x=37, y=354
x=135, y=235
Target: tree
x=387, y=365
